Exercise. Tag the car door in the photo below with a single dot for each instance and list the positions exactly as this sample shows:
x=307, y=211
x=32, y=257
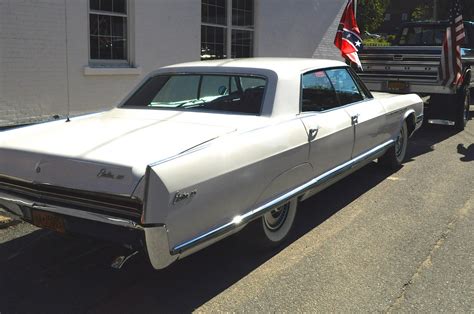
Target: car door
x=367, y=114
x=328, y=125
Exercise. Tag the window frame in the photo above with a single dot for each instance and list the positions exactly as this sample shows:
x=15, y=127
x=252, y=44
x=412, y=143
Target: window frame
x=111, y=63
x=229, y=27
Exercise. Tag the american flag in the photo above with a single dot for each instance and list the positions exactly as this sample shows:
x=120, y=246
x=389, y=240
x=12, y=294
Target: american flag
x=348, y=38
x=451, y=66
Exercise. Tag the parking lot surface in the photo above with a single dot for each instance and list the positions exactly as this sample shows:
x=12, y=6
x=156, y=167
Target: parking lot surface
x=378, y=240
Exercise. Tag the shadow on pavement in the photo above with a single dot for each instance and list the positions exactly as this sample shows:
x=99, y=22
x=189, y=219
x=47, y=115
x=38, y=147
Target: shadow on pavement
x=467, y=152
x=47, y=272
x=425, y=139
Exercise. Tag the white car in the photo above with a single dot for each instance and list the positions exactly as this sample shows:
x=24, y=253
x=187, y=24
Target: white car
x=199, y=150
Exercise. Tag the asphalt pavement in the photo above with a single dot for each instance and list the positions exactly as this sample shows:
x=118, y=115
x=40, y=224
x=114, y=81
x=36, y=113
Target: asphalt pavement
x=379, y=240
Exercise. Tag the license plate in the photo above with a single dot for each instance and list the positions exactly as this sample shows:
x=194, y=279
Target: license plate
x=48, y=221
x=397, y=86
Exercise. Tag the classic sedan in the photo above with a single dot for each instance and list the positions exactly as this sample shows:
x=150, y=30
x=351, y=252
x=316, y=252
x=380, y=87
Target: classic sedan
x=199, y=150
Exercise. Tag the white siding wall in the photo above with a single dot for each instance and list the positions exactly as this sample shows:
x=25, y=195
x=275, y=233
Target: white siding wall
x=33, y=54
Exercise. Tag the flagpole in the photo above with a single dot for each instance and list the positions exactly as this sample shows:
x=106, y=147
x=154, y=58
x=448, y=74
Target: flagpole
x=355, y=8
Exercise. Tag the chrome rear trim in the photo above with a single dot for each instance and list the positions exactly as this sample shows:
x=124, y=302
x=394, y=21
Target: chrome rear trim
x=123, y=206
x=259, y=211
x=18, y=205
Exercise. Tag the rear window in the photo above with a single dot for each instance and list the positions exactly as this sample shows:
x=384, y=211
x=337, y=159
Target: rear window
x=428, y=35
x=201, y=92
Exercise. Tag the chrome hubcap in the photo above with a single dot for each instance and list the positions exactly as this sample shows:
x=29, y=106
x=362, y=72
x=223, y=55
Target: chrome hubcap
x=276, y=218
x=399, y=143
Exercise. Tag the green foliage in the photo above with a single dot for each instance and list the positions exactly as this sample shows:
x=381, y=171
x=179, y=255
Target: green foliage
x=376, y=42
x=370, y=14
x=422, y=13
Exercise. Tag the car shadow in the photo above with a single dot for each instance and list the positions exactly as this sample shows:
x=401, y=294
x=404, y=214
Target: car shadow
x=46, y=272
x=425, y=139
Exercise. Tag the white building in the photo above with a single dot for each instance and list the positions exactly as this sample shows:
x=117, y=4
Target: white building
x=85, y=55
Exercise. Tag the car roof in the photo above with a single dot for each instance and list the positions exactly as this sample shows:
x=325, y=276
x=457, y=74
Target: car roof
x=278, y=65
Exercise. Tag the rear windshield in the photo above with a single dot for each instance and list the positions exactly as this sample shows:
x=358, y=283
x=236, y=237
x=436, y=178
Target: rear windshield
x=201, y=92
x=428, y=35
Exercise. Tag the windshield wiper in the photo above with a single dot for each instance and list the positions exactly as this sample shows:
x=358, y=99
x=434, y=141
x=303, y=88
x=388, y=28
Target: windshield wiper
x=192, y=103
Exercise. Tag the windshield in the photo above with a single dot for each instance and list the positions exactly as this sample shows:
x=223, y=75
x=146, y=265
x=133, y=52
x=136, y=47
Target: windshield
x=201, y=92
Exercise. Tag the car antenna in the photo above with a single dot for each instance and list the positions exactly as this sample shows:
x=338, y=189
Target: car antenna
x=67, y=64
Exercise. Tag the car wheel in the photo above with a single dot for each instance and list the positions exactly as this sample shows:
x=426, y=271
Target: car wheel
x=395, y=155
x=462, y=114
x=273, y=228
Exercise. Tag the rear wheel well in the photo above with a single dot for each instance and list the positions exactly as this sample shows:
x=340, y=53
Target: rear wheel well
x=411, y=123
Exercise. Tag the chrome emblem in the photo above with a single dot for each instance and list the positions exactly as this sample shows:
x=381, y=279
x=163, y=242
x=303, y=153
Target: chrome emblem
x=38, y=169
x=178, y=197
x=104, y=173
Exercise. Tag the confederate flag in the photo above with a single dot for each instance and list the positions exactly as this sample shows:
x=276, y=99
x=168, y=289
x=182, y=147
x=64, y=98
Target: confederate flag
x=348, y=35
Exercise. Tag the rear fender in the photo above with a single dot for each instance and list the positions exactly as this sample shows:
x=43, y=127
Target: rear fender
x=279, y=184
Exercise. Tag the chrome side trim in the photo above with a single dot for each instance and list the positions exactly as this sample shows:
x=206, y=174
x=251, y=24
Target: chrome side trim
x=249, y=216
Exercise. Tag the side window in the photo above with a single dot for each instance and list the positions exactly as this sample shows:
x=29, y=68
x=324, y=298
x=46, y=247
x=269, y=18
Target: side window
x=317, y=92
x=346, y=89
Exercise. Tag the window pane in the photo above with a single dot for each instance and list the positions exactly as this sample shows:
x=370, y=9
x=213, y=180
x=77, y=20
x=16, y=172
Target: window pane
x=242, y=13
x=108, y=34
x=212, y=42
x=118, y=26
x=119, y=47
x=177, y=89
x=94, y=4
x=180, y=92
x=251, y=82
x=318, y=93
x=119, y=6
x=106, y=5
x=104, y=25
x=94, y=45
x=242, y=44
x=214, y=85
x=94, y=24
x=105, y=48
x=345, y=86
x=214, y=12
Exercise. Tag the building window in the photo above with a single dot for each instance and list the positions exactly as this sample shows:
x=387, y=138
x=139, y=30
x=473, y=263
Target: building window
x=108, y=30
x=227, y=29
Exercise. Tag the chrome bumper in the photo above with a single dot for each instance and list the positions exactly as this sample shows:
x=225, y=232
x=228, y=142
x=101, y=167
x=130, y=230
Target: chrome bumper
x=155, y=236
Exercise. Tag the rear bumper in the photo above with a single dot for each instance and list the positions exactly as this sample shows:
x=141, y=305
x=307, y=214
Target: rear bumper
x=151, y=238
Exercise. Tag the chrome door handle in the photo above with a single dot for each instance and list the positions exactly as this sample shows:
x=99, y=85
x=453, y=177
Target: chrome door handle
x=355, y=119
x=312, y=134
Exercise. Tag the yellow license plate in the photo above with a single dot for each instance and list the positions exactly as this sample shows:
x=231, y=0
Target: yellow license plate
x=48, y=221
x=397, y=86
